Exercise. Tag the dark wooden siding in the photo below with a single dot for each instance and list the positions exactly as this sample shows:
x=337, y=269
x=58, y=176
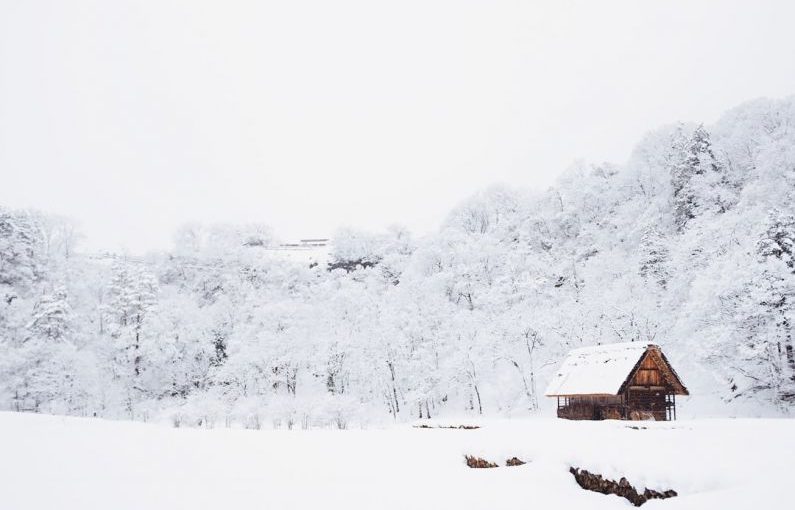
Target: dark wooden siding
x=648, y=374
x=591, y=407
x=650, y=401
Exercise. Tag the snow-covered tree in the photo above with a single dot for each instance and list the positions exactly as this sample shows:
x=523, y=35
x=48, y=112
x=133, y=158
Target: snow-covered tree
x=654, y=258
x=699, y=180
x=21, y=249
x=52, y=316
x=778, y=240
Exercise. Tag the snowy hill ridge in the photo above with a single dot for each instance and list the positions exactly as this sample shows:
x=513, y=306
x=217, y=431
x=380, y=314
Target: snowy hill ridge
x=689, y=245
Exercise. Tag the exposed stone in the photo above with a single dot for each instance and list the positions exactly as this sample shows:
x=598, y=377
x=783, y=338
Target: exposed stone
x=477, y=462
x=623, y=488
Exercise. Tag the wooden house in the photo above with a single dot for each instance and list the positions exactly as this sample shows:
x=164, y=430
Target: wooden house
x=627, y=381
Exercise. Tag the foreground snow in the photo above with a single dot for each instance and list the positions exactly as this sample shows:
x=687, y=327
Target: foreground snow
x=55, y=462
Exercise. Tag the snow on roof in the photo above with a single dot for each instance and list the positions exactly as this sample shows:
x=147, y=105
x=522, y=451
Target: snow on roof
x=597, y=370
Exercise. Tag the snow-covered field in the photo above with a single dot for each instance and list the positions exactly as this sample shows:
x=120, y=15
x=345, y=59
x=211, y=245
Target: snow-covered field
x=49, y=462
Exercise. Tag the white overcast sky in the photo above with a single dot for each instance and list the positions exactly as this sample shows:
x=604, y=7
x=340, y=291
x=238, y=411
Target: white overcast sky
x=134, y=117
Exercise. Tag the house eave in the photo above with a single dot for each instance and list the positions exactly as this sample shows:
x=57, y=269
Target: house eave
x=581, y=395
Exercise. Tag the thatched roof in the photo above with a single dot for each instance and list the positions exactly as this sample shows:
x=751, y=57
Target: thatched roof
x=607, y=369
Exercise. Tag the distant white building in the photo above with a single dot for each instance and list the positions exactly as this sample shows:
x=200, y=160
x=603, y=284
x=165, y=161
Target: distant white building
x=310, y=250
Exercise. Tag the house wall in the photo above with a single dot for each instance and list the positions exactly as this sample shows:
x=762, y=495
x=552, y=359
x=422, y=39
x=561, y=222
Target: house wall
x=647, y=401
x=635, y=405
x=591, y=407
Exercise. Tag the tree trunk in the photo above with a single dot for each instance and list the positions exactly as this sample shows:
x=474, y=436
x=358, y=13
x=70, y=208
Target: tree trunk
x=477, y=393
x=136, y=355
x=394, y=388
x=527, y=391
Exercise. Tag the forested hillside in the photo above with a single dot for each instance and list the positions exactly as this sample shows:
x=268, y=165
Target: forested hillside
x=688, y=244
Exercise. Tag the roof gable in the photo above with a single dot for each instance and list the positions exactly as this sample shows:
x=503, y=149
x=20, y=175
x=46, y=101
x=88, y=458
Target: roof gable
x=667, y=372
